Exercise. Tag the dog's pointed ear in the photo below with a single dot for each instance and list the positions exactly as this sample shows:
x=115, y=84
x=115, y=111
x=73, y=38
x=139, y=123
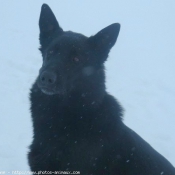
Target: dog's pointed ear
x=48, y=25
x=105, y=39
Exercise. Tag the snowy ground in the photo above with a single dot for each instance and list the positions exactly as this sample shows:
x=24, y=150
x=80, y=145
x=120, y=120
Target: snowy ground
x=140, y=69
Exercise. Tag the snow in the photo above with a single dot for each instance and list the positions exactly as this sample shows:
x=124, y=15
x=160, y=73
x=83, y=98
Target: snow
x=140, y=69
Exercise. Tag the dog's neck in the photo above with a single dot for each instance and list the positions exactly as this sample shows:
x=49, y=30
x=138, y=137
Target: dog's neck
x=83, y=99
x=86, y=98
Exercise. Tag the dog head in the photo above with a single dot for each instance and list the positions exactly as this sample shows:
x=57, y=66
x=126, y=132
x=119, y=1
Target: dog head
x=72, y=61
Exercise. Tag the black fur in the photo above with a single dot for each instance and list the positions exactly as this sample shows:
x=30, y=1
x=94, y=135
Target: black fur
x=77, y=124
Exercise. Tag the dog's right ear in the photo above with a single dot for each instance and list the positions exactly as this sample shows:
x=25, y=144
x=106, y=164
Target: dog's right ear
x=48, y=25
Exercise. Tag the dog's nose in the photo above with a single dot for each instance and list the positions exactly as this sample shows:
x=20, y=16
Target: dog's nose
x=47, y=78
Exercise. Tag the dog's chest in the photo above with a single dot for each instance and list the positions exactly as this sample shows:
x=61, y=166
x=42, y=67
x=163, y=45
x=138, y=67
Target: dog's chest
x=75, y=141
x=77, y=154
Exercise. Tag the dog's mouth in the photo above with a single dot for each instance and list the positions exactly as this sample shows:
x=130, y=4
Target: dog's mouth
x=47, y=91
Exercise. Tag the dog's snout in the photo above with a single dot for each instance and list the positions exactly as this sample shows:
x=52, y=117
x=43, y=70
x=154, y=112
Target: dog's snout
x=47, y=78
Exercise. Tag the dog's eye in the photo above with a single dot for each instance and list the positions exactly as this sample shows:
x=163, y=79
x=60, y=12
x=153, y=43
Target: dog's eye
x=76, y=59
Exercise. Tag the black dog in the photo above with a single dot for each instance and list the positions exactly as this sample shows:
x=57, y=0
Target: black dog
x=77, y=124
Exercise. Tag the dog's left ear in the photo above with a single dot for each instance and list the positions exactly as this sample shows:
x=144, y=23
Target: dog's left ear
x=48, y=25
x=104, y=40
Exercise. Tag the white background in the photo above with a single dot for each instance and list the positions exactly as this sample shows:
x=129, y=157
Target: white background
x=140, y=69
